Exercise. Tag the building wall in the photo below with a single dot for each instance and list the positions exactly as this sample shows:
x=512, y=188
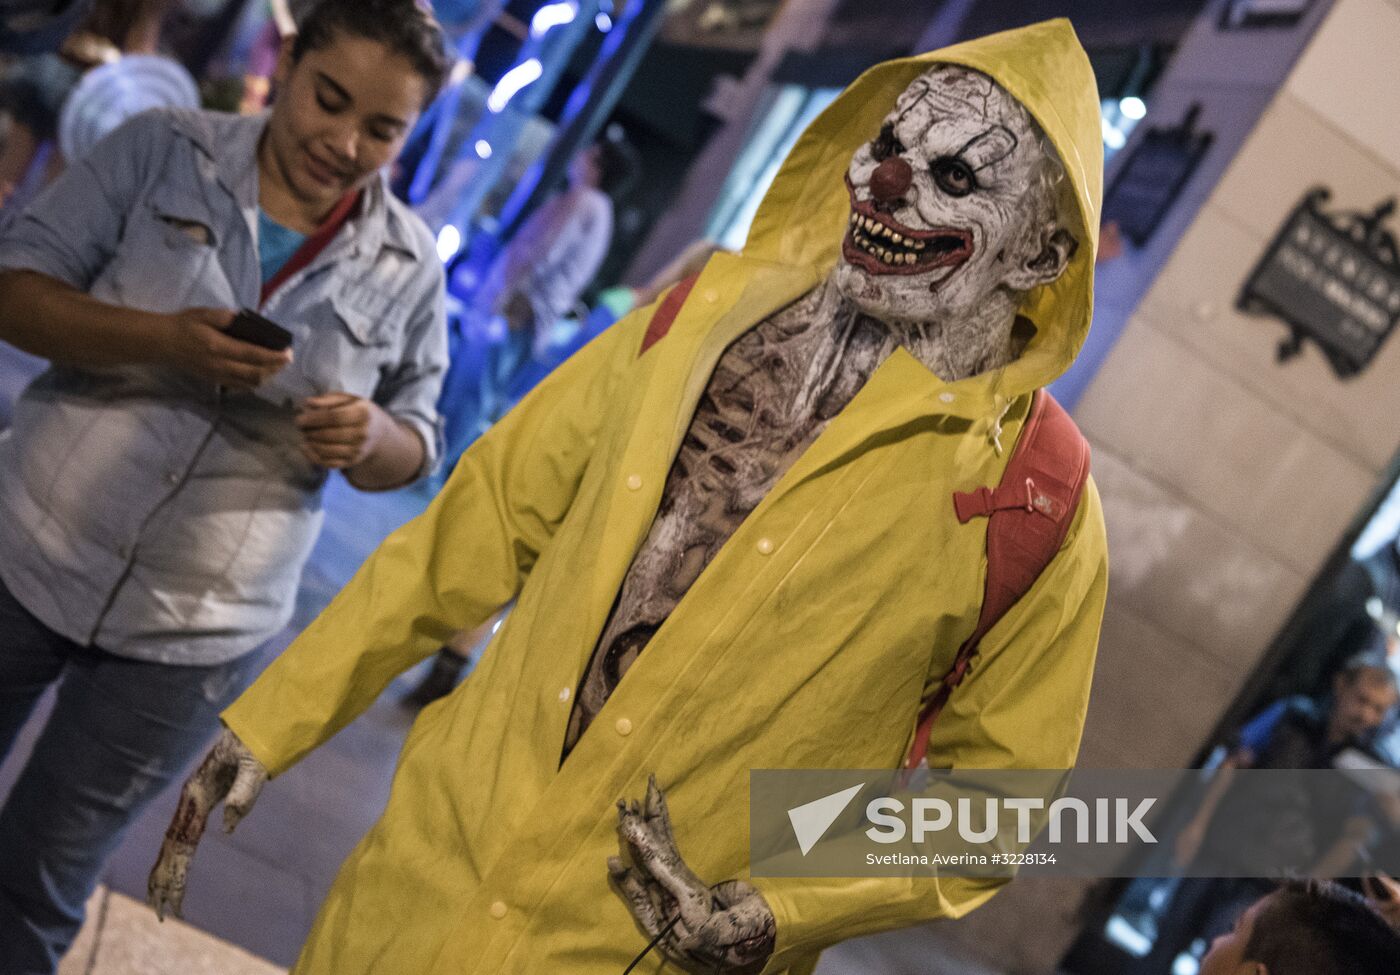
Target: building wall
x=1227, y=478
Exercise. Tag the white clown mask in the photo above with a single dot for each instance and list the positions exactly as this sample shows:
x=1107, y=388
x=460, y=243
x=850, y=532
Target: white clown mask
x=952, y=202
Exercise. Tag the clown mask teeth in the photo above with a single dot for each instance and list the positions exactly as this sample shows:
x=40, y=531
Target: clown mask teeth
x=880, y=248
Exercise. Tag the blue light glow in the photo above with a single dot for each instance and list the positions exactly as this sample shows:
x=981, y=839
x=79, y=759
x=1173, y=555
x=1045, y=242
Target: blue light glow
x=604, y=22
x=1132, y=107
x=483, y=149
x=449, y=241
x=518, y=77
x=1112, y=137
x=552, y=15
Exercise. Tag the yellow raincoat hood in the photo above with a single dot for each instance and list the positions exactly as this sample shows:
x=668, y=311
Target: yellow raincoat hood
x=803, y=216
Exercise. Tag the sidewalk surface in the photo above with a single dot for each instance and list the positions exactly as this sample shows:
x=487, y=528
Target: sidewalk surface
x=123, y=937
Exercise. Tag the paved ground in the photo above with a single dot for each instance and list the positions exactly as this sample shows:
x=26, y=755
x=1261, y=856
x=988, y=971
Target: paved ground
x=122, y=937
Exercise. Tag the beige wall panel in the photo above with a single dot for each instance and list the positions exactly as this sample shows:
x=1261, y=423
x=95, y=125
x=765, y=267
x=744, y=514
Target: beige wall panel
x=1292, y=150
x=1194, y=302
x=1191, y=425
x=1187, y=572
x=1348, y=73
x=1212, y=56
x=1155, y=697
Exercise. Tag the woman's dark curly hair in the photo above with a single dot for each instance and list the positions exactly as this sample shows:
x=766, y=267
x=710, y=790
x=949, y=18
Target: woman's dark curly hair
x=406, y=27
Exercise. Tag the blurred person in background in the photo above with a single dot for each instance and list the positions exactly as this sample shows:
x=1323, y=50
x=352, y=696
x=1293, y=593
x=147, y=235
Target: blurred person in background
x=1293, y=733
x=160, y=488
x=33, y=87
x=539, y=276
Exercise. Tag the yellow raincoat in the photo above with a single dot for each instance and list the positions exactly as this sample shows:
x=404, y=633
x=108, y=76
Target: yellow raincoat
x=807, y=642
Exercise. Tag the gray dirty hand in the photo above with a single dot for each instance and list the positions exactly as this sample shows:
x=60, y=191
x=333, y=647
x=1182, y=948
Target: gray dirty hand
x=229, y=774
x=727, y=927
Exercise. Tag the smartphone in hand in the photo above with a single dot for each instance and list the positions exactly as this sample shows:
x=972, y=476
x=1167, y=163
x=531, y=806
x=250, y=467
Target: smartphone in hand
x=249, y=326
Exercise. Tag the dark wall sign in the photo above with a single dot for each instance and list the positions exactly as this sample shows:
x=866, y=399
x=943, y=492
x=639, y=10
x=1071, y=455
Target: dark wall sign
x=1262, y=13
x=1334, y=279
x=1152, y=175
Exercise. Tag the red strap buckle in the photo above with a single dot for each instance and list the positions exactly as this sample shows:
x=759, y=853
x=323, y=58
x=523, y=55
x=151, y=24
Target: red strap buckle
x=983, y=501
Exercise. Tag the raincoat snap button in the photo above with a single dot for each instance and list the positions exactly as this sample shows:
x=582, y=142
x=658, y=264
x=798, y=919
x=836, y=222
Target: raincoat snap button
x=498, y=910
x=946, y=397
x=563, y=694
x=634, y=482
x=765, y=546
x=623, y=726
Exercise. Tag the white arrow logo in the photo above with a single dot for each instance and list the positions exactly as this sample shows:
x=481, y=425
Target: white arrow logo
x=811, y=820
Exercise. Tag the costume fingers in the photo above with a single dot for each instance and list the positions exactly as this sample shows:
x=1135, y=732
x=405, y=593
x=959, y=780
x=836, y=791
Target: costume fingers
x=244, y=792
x=737, y=940
x=660, y=859
x=664, y=860
x=165, y=887
x=636, y=842
x=634, y=893
x=658, y=817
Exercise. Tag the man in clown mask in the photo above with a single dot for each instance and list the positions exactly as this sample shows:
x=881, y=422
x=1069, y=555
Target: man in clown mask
x=756, y=474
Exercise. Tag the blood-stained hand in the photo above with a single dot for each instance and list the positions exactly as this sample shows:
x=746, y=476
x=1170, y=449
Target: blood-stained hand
x=340, y=430
x=228, y=774
x=726, y=928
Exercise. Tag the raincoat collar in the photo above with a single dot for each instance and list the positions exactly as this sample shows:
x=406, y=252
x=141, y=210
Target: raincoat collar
x=803, y=216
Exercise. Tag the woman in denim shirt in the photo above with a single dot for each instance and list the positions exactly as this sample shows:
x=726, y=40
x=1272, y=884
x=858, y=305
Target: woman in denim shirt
x=160, y=488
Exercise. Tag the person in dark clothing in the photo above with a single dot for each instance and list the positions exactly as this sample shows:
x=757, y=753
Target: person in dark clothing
x=1293, y=733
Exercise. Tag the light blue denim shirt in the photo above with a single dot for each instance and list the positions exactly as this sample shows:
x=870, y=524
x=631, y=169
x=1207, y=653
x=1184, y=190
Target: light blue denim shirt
x=147, y=512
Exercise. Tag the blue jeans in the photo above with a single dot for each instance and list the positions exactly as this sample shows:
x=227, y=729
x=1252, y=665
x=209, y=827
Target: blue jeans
x=120, y=731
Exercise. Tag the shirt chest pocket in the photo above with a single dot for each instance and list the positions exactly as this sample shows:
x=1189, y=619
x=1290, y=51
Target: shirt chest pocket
x=168, y=258
x=354, y=337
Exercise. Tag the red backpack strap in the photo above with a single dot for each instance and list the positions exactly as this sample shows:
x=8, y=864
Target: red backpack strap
x=665, y=315
x=1028, y=516
x=312, y=246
